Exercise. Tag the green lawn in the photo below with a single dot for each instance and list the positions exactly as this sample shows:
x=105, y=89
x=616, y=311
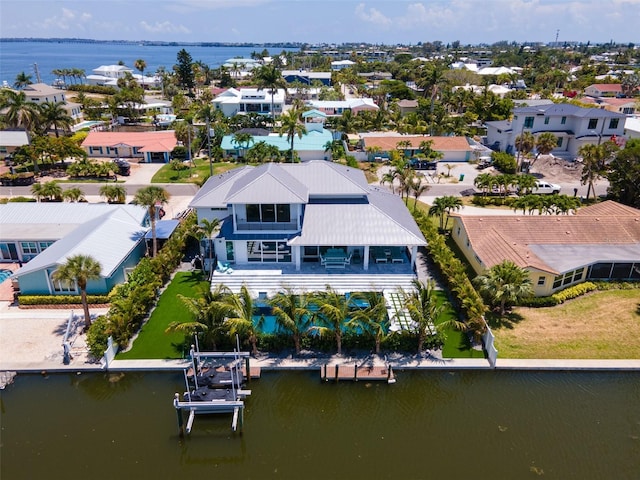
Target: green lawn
x=457, y=343
x=153, y=342
x=597, y=325
x=192, y=175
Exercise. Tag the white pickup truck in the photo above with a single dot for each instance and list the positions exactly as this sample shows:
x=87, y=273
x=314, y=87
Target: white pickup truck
x=545, y=188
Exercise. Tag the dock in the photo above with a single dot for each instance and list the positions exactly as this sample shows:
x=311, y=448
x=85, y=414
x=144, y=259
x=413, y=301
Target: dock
x=355, y=373
x=215, y=384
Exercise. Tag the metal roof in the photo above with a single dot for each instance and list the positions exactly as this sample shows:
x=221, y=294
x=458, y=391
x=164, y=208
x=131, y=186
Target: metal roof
x=108, y=238
x=213, y=193
x=268, y=183
x=52, y=221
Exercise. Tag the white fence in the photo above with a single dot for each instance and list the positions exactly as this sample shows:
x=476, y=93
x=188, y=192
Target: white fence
x=488, y=340
x=109, y=353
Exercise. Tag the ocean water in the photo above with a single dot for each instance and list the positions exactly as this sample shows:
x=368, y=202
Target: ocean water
x=16, y=57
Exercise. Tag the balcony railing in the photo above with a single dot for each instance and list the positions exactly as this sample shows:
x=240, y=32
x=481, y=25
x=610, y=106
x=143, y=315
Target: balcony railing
x=269, y=226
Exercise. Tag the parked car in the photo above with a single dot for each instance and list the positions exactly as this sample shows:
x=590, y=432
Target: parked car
x=417, y=164
x=124, y=168
x=545, y=188
x=484, y=162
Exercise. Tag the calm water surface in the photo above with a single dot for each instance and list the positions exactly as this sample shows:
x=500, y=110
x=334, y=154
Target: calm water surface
x=441, y=425
x=16, y=57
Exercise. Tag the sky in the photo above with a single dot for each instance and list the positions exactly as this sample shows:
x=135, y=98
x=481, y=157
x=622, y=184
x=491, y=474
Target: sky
x=325, y=21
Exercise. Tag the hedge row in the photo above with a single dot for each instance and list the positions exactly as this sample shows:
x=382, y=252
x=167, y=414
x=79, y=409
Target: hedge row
x=467, y=299
x=132, y=301
x=61, y=299
x=576, y=291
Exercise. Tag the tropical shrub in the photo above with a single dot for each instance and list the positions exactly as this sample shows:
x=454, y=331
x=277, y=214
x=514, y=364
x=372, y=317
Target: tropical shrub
x=62, y=299
x=504, y=162
x=574, y=291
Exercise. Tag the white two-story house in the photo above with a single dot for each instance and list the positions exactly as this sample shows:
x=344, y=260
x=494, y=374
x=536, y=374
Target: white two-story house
x=40, y=93
x=314, y=216
x=573, y=127
x=236, y=101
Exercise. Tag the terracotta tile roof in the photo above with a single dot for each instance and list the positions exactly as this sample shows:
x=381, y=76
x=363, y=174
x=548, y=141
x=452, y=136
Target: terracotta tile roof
x=608, y=87
x=161, y=141
x=497, y=238
x=443, y=144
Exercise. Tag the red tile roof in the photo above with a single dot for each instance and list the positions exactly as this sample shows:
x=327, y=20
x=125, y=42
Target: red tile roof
x=161, y=141
x=442, y=144
x=497, y=238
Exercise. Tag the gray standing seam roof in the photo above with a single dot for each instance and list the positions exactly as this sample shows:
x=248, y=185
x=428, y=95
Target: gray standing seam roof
x=268, y=183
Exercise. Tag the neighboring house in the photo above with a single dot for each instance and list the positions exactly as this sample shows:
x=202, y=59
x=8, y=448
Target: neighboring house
x=241, y=67
x=234, y=101
x=625, y=106
x=149, y=147
x=600, y=242
x=598, y=90
x=407, y=106
x=310, y=147
x=335, y=108
x=307, y=77
x=40, y=93
x=499, y=71
x=376, y=76
x=454, y=149
x=108, y=75
x=290, y=215
x=342, y=64
x=44, y=235
x=572, y=125
x=499, y=90
x=11, y=140
x=632, y=128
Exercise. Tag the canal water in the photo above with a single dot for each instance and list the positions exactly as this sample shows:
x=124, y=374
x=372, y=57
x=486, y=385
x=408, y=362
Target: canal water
x=429, y=425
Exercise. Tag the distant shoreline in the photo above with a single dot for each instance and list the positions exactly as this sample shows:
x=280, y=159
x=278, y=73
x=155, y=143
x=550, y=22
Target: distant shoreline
x=152, y=43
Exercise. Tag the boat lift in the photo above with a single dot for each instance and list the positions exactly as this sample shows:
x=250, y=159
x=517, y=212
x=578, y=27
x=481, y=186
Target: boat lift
x=215, y=389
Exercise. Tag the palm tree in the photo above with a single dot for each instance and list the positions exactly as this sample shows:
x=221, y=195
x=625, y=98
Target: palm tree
x=525, y=144
x=18, y=112
x=74, y=194
x=205, y=230
x=207, y=313
x=418, y=188
x=592, y=166
x=545, y=143
x=140, y=65
x=54, y=114
x=424, y=309
x=443, y=206
x=79, y=269
x=291, y=125
x=239, y=309
x=242, y=140
x=504, y=283
x=113, y=193
x=207, y=113
x=151, y=197
x=269, y=77
x=22, y=80
x=485, y=182
x=526, y=183
x=334, y=308
x=373, y=318
x=48, y=191
x=292, y=314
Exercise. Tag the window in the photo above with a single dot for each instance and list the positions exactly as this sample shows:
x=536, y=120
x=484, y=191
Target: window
x=283, y=211
x=253, y=213
x=231, y=257
x=62, y=286
x=559, y=142
x=528, y=122
x=613, y=123
x=593, y=123
x=44, y=245
x=268, y=212
x=29, y=248
x=541, y=280
x=563, y=120
x=546, y=120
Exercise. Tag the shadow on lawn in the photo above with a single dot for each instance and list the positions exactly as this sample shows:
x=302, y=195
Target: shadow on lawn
x=192, y=278
x=509, y=320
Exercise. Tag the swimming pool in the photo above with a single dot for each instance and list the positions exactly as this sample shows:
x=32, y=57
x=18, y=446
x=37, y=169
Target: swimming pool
x=4, y=274
x=87, y=124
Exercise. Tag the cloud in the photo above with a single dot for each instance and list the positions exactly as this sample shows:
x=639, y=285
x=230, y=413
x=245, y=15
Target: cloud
x=184, y=6
x=372, y=15
x=163, y=27
x=66, y=20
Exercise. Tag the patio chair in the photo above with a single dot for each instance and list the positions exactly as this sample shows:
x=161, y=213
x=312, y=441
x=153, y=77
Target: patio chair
x=396, y=255
x=224, y=267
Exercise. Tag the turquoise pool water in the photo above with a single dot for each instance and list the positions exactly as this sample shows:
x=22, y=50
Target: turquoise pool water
x=4, y=274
